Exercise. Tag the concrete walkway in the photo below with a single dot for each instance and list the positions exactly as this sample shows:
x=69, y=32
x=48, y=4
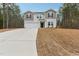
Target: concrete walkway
x=19, y=42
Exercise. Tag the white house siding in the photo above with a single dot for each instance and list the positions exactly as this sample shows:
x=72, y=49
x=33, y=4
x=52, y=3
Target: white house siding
x=36, y=24
x=51, y=20
x=38, y=15
x=34, y=21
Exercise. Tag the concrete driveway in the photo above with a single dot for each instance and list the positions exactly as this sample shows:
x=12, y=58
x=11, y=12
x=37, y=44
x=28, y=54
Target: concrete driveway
x=19, y=42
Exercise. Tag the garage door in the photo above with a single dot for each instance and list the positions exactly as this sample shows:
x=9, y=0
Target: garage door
x=31, y=25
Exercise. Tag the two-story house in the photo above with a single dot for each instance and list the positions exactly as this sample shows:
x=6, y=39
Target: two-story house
x=40, y=19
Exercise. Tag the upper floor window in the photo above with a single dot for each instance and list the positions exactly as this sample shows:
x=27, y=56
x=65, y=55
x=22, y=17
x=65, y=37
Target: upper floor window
x=50, y=14
x=28, y=16
x=39, y=17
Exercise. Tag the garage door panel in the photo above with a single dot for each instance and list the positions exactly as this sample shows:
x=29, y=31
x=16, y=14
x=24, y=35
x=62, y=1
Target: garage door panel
x=31, y=25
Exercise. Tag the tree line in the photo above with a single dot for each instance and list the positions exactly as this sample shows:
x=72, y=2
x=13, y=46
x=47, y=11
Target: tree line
x=10, y=16
x=70, y=15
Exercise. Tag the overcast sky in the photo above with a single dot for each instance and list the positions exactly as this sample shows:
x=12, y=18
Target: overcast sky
x=35, y=7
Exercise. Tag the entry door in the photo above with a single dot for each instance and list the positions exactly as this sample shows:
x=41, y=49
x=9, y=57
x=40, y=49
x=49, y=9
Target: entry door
x=42, y=24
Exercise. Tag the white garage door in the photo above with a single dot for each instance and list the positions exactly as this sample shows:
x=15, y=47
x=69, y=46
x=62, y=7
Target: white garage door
x=31, y=25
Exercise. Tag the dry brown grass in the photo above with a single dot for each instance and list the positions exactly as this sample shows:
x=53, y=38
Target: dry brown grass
x=3, y=30
x=58, y=42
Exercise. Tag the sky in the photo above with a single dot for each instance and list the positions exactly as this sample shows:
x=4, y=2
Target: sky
x=39, y=7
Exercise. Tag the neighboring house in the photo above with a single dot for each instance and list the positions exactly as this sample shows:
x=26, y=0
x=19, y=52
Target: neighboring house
x=40, y=19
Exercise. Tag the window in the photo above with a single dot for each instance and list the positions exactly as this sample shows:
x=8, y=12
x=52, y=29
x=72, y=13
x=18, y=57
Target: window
x=52, y=24
x=28, y=16
x=48, y=24
x=37, y=16
x=50, y=14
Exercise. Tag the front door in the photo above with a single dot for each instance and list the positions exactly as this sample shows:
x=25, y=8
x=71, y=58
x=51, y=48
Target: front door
x=42, y=24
